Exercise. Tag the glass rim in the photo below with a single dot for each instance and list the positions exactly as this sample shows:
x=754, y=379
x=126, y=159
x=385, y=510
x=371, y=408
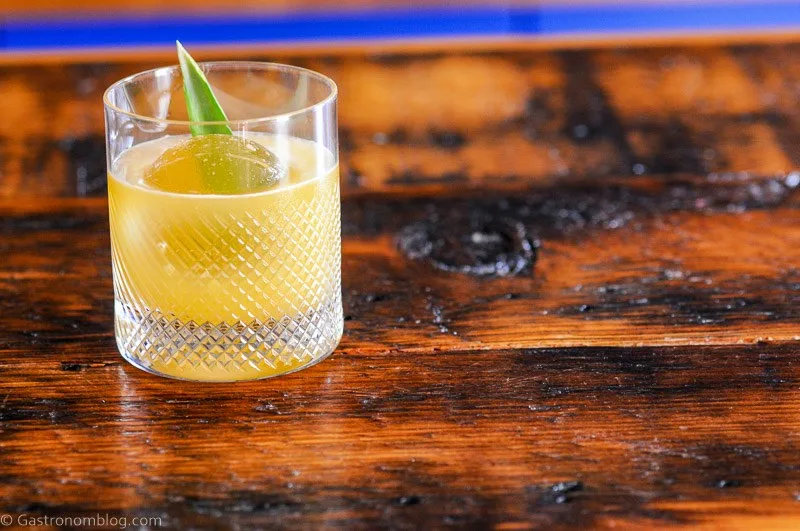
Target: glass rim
x=263, y=65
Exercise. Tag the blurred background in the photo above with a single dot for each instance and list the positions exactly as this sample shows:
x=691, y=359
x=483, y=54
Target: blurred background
x=432, y=93
x=80, y=26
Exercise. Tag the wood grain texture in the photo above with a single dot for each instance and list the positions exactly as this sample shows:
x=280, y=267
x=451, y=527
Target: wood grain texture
x=467, y=119
x=652, y=264
x=572, y=301
x=513, y=439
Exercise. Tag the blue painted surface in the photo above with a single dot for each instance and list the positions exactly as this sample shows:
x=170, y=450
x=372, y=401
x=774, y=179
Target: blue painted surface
x=476, y=21
x=701, y=16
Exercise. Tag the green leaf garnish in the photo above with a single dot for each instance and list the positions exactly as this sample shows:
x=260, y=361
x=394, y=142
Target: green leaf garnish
x=201, y=103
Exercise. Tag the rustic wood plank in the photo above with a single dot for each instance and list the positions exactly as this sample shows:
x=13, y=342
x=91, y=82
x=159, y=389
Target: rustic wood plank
x=633, y=438
x=776, y=81
x=471, y=119
x=642, y=261
x=633, y=221
x=698, y=110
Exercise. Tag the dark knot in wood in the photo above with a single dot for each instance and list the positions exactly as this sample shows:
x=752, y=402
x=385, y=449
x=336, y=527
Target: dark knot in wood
x=493, y=248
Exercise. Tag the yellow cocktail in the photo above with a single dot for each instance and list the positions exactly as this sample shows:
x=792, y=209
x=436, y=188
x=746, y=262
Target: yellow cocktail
x=226, y=249
x=227, y=287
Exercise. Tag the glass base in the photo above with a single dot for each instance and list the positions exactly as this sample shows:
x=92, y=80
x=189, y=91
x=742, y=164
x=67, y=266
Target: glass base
x=226, y=352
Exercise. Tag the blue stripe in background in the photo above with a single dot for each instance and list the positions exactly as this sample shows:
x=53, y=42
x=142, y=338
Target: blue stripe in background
x=463, y=22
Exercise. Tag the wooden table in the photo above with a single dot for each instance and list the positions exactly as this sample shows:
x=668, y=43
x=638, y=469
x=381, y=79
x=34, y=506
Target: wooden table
x=638, y=370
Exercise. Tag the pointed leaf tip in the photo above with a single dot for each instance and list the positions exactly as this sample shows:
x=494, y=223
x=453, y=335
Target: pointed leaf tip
x=201, y=103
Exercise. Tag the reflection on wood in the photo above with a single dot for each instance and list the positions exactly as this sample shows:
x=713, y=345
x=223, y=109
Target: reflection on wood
x=636, y=438
x=637, y=370
x=648, y=264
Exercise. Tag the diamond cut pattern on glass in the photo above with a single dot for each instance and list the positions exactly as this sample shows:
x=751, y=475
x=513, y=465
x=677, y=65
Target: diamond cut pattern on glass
x=243, y=293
